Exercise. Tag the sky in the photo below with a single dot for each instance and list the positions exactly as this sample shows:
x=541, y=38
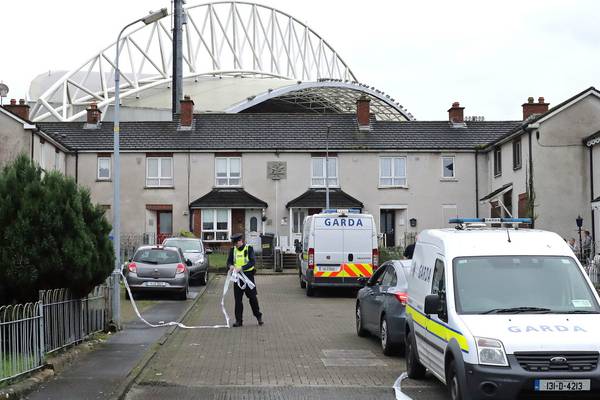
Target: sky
x=488, y=55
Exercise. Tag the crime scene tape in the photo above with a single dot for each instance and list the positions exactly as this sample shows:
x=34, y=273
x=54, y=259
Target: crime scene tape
x=398, y=388
x=236, y=277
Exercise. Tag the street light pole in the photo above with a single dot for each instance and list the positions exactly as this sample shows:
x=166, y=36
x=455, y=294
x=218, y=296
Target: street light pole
x=327, y=167
x=116, y=299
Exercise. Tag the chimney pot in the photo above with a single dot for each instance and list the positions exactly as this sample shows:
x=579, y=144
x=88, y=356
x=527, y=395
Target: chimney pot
x=187, y=112
x=456, y=113
x=530, y=108
x=21, y=110
x=363, y=112
x=93, y=115
x=13, y=102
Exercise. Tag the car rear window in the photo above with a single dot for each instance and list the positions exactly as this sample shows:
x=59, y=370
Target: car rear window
x=157, y=256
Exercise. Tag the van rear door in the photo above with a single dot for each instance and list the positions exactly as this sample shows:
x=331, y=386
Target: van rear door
x=358, y=244
x=329, y=244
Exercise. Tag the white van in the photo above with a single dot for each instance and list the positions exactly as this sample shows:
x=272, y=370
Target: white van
x=502, y=313
x=338, y=248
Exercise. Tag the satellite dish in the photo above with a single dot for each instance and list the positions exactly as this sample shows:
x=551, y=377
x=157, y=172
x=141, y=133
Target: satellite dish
x=3, y=90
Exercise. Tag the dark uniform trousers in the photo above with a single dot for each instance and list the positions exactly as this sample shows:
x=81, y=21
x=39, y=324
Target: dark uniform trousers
x=251, y=294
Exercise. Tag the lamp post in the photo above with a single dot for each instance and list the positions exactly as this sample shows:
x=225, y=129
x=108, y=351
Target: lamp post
x=116, y=300
x=327, y=167
x=579, y=222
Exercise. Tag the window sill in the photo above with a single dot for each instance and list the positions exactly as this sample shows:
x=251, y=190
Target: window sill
x=394, y=187
x=103, y=180
x=159, y=187
x=517, y=168
x=498, y=175
x=448, y=180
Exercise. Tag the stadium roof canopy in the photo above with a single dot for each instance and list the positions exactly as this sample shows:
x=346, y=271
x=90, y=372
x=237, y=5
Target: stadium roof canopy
x=237, y=57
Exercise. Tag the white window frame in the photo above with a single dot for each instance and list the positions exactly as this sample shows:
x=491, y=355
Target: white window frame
x=497, y=160
x=300, y=221
x=313, y=177
x=160, y=177
x=104, y=178
x=393, y=175
x=228, y=177
x=215, y=230
x=445, y=207
x=453, y=167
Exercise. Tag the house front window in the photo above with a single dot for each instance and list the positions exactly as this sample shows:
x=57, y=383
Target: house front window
x=216, y=224
x=517, y=154
x=298, y=215
x=228, y=171
x=159, y=171
x=318, y=171
x=497, y=161
x=448, y=169
x=103, y=168
x=392, y=171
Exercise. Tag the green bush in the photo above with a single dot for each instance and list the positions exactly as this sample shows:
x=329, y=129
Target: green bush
x=51, y=235
x=186, y=234
x=390, y=253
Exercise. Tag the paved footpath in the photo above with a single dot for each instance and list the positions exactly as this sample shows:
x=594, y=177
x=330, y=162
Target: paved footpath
x=307, y=349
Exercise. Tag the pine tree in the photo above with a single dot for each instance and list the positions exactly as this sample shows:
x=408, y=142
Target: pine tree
x=51, y=235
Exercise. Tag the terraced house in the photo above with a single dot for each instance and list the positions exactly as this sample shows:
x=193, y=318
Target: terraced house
x=220, y=173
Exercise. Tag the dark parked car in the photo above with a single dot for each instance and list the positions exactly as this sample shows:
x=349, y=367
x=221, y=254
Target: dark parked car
x=159, y=268
x=380, y=305
x=193, y=250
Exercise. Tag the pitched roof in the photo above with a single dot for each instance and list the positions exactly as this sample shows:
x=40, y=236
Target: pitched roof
x=228, y=197
x=315, y=198
x=272, y=132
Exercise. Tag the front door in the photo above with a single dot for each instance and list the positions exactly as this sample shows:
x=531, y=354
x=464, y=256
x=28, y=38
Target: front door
x=387, y=226
x=164, y=226
x=253, y=228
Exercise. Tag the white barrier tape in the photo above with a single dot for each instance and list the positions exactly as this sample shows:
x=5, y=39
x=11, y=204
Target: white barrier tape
x=237, y=277
x=398, y=388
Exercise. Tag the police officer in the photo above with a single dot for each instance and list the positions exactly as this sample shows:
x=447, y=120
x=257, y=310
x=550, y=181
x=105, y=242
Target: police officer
x=241, y=257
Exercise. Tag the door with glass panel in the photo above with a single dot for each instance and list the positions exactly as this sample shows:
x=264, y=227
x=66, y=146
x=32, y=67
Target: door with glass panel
x=164, y=227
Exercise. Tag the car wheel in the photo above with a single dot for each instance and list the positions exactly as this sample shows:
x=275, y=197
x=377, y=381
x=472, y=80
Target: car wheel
x=454, y=388
x=414, y=368
x=310, y=290
x=360, y=330
x=387, y=345
x=203, y=278
x=302, y=282
x=183, y=295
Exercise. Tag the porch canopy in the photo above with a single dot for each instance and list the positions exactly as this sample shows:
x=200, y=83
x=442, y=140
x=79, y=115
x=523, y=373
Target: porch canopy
x=315, y=198
x=228, y=198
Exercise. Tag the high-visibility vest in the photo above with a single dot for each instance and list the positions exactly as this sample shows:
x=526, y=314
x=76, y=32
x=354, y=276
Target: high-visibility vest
x=240, y=258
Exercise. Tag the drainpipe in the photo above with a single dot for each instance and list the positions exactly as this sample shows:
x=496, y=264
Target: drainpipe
x=592, y=193
x=476, y=185
x=76, y=167
x=531, y=178
x=32, y=144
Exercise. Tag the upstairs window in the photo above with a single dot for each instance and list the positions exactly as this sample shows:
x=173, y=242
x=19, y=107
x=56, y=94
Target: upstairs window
x=228, y=171
x=159, y=171
x=392, y=171
x=517, y=154
x=497, y=161
x=103, y=168
x=448, y=170
x=318, y=171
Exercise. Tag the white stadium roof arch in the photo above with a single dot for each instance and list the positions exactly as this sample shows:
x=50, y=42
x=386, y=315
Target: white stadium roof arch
x=237, y=56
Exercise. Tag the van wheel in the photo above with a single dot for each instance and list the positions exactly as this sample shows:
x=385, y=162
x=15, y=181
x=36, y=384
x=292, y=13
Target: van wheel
x=302, y=282
x=414, y=368
x=360, y=330
x=454, y=388
x=310, y=290
x=389, y=348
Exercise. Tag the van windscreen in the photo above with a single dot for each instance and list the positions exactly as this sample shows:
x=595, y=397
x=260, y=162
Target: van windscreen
x=521, y=284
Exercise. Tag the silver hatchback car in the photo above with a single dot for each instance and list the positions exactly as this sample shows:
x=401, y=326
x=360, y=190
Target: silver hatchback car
x=159, y=268
x=193, y=250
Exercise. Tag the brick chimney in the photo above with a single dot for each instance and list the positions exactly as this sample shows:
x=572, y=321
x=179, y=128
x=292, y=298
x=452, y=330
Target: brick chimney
x=21, y=110
x=93, y=114
x=531, y=108
x=456, y=113
x=187, y=112
x=363, y=113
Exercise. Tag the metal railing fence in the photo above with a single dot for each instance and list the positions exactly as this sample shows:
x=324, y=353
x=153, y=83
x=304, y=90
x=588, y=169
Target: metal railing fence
x=30, y=331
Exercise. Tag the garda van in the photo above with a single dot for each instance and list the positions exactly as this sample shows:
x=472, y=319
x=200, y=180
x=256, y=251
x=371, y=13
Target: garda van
x=338, y=248
x=502, y=313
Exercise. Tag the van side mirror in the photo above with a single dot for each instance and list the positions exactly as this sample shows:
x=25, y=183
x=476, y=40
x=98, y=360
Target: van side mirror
x=188, y=262
x=208, y=251
x=433, y=304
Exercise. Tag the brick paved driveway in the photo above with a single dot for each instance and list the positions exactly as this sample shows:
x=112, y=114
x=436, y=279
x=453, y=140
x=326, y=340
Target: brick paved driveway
x=307, y=349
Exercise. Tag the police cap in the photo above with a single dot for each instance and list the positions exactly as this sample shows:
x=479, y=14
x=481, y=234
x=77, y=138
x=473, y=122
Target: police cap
x=236, y=236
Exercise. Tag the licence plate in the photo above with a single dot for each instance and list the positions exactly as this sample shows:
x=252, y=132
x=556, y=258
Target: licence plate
x=329, y=269
x=562, y=385
x=156, y=283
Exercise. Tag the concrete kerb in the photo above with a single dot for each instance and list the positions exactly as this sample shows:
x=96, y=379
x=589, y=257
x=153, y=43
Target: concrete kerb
x=121, y=391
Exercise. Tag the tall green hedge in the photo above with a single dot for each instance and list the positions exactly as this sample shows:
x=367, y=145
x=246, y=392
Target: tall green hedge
x=51, y=235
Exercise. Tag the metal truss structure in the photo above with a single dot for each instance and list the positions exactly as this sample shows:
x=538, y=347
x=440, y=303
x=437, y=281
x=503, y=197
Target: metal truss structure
x=220, y=39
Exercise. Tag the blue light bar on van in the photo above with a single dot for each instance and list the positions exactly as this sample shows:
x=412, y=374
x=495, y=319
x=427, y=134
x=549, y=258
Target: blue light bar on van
x=341, y=211
x=490, y=220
